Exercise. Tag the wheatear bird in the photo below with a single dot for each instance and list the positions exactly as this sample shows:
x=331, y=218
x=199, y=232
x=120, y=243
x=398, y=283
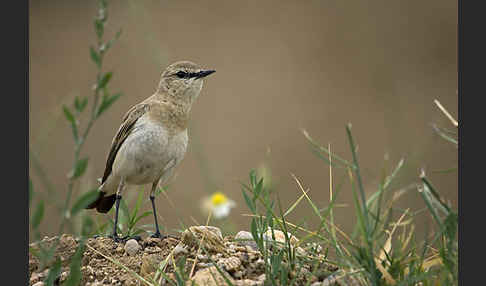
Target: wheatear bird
x=152, y=138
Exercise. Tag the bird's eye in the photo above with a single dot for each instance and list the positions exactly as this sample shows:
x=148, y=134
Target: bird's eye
x=181, y=74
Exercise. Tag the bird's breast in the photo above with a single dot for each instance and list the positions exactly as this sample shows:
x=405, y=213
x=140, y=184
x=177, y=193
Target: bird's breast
x=147, y=151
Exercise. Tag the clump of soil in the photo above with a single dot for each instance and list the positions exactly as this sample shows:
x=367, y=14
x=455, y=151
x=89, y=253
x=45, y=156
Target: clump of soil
x=106, y=262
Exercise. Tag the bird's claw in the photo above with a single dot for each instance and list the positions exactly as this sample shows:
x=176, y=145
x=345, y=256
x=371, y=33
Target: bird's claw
x=116, y=238
x=158, y=235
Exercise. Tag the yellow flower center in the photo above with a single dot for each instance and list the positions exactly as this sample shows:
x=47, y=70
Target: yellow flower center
x=218, y=198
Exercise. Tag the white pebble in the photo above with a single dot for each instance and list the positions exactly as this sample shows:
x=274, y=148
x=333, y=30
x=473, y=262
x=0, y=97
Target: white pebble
x=132, y=247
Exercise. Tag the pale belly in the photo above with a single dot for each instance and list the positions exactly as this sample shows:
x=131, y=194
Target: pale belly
x=148, y=154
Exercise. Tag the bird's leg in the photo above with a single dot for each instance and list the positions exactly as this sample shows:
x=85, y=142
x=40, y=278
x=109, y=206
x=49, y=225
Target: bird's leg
x=114, y=236
x=152, y=198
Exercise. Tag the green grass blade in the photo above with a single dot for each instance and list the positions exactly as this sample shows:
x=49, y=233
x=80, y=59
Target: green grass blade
x=444, y=135
x=325, y=150
x=358, y=178
x=138, y=204
x=145, y=214
x=54, y=273
x=249, y=203
x=75, y=267
x=443, y=206
x=292, y=207
x=38, y=215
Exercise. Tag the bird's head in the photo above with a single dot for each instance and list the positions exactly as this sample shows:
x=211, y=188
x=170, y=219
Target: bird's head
x=183, y=80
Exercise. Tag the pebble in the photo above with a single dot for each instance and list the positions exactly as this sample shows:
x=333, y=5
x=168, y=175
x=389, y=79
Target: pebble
x=245, y=238
x=211, y=277
x=152, y=249
x=202, y=257
x=119, y=249
x=238, y=274
x=179, y=249
x=213, y=240
x=230, y=264
x=247, y=282
x=132, y=247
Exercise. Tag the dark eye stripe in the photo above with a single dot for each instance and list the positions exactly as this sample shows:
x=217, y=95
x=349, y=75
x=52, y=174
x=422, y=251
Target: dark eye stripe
x=183, y=74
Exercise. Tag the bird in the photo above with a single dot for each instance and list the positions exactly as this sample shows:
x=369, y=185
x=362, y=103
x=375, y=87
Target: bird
x=151, y=140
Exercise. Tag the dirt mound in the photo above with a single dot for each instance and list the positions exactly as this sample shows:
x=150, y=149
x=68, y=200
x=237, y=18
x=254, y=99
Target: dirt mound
x=207, y=255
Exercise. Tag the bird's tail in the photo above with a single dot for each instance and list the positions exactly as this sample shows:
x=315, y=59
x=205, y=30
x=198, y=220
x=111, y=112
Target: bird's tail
x=103, y=203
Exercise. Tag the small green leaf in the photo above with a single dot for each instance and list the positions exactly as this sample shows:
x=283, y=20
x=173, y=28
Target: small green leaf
x=104, y=80
x=84, y=200
x=249, y=202
x=112, y=41
x=95, y=57
x=147, y=213
x=103, y=4
x=80, y=103
x=54, y=273
x=68, y=114
x=80, y=168
x=106, y=102
x=99, y=27
x=70, y=117
x=258, y=189
x=38, y=215
x=252, y=178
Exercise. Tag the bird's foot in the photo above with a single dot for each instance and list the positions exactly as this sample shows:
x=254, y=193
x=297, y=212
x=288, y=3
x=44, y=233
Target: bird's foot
x=116, y=238
x=157, y=234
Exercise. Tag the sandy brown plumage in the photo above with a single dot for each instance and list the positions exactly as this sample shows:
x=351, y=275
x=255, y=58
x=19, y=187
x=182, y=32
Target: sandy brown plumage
x=152, y=139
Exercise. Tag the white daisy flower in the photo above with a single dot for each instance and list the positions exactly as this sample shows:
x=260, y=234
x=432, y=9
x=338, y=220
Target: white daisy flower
x=218, y=204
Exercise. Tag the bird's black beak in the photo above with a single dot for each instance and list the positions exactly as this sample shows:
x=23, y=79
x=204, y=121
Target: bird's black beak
x=205, y=73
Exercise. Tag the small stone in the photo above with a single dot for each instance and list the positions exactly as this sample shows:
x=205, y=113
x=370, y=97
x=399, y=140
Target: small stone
x=209, y=236
x=34, y=277
x=210, y=277
x=180, y=249
x=204, y=265
x=40, y=283
x=151, y=241
x=245, y=238
x=152, y=249
x=281, y=239
x=150, y=262
x=259, y=262
x=230, y=264
x=64, y=276
x=202, y=257
x=247, y=282
x=238, y=274
x=119, y=250
x=132, y=247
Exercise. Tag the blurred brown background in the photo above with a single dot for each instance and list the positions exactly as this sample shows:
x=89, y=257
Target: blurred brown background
x=281, y=66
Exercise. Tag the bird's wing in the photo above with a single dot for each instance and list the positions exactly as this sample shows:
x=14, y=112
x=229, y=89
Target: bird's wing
x=127, y=126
